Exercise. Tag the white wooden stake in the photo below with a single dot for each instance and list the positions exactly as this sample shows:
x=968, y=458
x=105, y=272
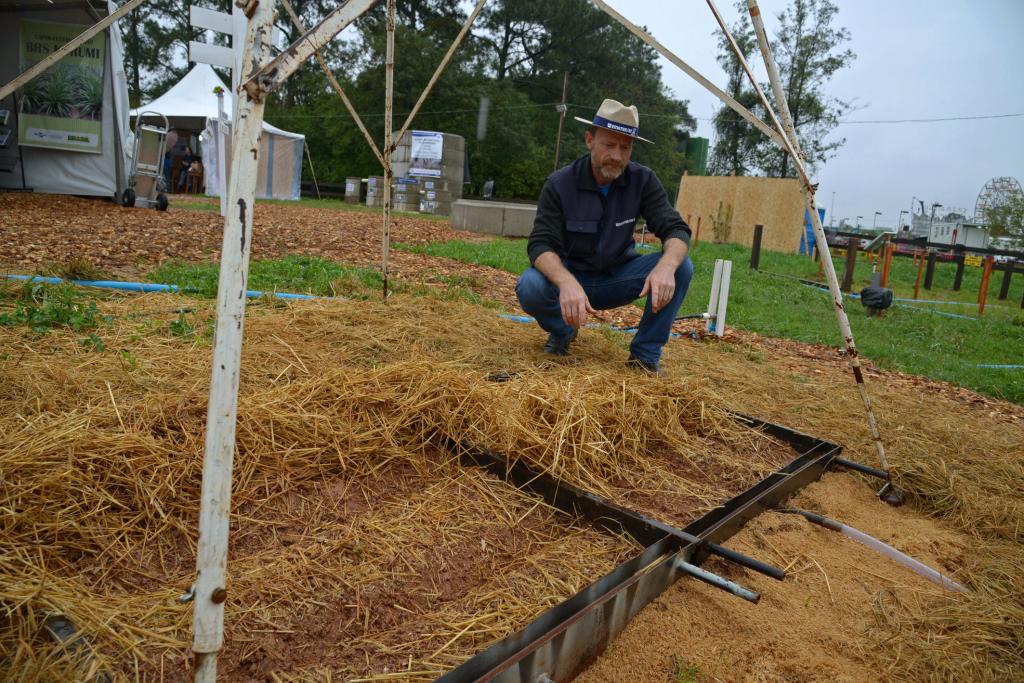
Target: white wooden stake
x=723, y=297
x=210, y=589
x=716, y=283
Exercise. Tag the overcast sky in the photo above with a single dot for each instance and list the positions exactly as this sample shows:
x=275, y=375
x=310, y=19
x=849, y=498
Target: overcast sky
x=916, y=59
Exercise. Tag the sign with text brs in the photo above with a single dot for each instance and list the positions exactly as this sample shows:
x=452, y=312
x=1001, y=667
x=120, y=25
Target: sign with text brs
x=63, y=107
x=425, y=155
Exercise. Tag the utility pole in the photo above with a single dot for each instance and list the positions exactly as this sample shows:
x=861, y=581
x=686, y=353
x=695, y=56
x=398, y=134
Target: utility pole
x=561, y=120
x=832, y=212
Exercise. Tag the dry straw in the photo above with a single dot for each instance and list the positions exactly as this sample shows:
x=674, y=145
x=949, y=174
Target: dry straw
x=358, y=546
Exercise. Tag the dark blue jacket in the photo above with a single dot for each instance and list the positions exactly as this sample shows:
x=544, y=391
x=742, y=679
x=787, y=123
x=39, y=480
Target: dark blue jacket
x=593, y=232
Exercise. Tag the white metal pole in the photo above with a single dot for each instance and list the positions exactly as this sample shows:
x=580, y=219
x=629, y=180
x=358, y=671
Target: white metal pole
x=222, y=181
x=812, y=208
x=389, y=86
x=210, y=590
x=54, y=57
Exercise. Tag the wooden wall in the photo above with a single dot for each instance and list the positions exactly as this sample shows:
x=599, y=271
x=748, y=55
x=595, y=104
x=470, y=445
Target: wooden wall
x=730, y=206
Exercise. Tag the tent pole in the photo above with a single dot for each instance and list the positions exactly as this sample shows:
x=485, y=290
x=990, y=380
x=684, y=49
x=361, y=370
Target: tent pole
x=389, y=88
x=54, y=57
x=210, y=590
x=312, y=170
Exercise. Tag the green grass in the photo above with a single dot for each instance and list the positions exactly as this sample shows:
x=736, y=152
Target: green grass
x=910, y=338
x=503, y=254
x=295, y=274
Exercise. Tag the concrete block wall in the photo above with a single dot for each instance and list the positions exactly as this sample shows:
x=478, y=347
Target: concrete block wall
x=494, y=218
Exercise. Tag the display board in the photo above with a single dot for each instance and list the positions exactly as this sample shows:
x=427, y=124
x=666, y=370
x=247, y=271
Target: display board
x=427, y=153
x=63, y=107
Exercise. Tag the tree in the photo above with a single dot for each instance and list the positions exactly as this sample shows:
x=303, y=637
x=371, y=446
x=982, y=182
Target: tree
x=156, y=37
x=1006, y=218
x=736, y=140
x=809, y=52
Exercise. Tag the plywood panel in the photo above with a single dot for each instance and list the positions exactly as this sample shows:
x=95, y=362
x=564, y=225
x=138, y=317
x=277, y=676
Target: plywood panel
x=729, y=206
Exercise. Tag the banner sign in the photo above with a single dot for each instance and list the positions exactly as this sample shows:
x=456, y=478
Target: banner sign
x=62, y=108
x=427, y=148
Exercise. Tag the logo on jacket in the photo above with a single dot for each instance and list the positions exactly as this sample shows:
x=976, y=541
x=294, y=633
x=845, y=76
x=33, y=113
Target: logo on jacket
x=621, y=223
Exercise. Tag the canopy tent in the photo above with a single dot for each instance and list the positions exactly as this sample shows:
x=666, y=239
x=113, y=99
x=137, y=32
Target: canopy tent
x=191, y=104
x=74, y=144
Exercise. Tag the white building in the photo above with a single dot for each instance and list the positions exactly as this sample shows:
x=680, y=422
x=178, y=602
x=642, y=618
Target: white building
x=952, y=229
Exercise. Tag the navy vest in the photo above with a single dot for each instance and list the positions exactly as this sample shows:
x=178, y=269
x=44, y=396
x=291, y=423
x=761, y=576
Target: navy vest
x=598, y=231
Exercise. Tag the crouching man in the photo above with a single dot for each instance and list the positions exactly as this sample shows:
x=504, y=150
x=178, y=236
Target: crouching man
x=582, y=247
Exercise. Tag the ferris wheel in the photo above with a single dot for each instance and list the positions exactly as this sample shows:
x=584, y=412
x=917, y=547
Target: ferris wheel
x=996, y=192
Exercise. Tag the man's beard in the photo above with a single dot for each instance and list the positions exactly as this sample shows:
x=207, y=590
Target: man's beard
x=611, y=171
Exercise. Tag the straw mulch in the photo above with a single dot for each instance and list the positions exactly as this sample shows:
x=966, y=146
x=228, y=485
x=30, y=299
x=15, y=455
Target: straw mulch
x=358, y=547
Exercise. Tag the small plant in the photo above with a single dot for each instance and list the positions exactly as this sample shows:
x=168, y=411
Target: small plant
x=682, y=672
x=42, y=307
x=181, y=327
x=94, y=342
x=128, y=359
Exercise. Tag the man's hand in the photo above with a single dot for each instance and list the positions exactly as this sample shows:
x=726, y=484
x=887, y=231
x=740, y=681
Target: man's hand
x=573, y=300
x=575, y=304
x=661, y=282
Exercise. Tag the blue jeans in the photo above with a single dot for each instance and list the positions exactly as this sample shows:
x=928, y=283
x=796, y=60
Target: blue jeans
x=623, y=285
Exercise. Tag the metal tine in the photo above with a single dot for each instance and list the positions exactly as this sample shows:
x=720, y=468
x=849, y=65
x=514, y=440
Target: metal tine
x=717, y=581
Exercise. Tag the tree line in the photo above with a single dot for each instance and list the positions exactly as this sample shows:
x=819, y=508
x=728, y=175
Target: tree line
x=517, y=58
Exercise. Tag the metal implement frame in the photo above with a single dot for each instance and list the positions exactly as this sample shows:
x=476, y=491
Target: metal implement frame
x=560, y=643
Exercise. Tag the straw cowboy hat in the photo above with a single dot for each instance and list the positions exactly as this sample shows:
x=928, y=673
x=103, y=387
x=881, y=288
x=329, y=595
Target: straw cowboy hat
x=618, y=118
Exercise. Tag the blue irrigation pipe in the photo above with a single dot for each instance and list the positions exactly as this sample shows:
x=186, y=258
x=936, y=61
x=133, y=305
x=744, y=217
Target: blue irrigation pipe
x=149, y=287
x=993, y=366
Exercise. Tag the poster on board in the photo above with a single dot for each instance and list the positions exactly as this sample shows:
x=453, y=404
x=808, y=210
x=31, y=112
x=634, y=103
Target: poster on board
x=62, y=108
x=427, y=149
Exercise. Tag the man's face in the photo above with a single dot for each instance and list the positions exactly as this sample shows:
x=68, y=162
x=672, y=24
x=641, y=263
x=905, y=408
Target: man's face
x=609, y=153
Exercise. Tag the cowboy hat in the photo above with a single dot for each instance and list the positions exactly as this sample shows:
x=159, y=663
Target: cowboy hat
x=618, y=118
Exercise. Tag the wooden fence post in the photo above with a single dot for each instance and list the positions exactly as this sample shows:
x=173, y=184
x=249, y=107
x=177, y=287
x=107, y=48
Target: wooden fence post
x=985, y=275
x=929, y=273
x=959, y=279
x=886, y=263
x=1004, y=291
x=755, y=251
x=919, y=260
x=851, y=263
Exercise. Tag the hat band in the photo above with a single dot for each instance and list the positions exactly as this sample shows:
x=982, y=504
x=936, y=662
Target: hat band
x=601, y=121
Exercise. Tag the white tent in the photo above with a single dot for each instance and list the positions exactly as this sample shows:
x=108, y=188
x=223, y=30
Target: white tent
x=102, y=169
x=192, y=104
